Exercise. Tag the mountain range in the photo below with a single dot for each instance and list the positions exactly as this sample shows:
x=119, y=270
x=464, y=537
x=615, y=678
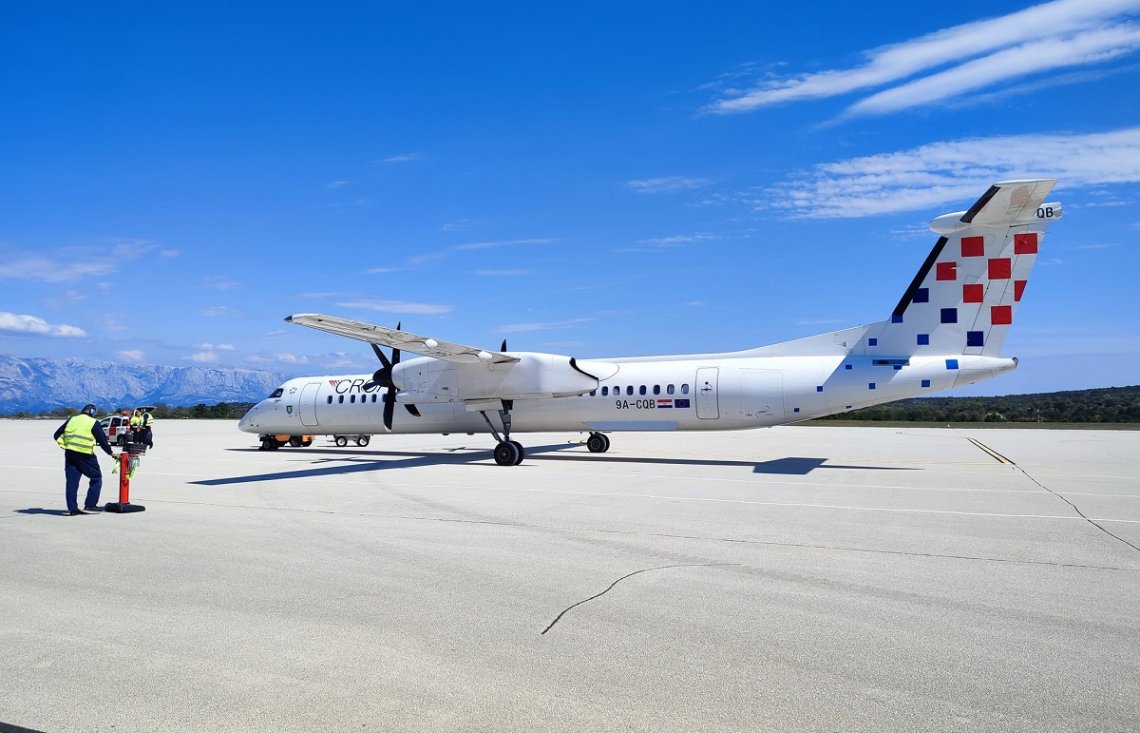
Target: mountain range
x=36, y=384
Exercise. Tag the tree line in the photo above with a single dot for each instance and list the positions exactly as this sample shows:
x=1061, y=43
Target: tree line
x=1108, y=405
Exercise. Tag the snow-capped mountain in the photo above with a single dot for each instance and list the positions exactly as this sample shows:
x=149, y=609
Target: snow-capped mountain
x=35, y=384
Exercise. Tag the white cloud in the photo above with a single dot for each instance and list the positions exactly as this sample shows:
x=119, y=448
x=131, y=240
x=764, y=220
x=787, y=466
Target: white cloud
x=133, y=355
x=1046, y=55
x=219, y=283
x=402, y=158
x=1063, y=33
x=216, y=347
x=502, y=243
x=336, y=184
x=676, y=241
x=666, y=184
x=216, y=310
x=34, y=325
x=203, y=357
x=955, y=171
x=547, y=326
x=291, y=359
x=55, y=270
x=502, y=273
x=399, y=306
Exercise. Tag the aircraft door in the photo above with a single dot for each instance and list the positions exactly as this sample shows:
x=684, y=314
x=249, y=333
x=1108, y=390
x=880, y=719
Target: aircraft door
x=707, y=405
x=307, y=404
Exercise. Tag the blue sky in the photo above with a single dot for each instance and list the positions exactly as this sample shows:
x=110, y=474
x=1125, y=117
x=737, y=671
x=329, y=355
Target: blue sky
x=596, y=179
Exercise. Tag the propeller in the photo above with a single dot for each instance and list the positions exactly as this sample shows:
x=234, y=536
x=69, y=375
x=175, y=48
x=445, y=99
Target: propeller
x=383, y=377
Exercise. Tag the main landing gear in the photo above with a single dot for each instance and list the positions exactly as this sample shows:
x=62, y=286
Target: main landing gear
x=598, y=442
x=508, y=452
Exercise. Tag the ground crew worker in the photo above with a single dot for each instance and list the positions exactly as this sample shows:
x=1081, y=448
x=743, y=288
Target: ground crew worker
x=147, y=424
x=78, y=436
x=136, y=426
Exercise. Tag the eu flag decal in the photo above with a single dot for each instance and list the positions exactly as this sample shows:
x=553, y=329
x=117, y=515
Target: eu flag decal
x=679, y=403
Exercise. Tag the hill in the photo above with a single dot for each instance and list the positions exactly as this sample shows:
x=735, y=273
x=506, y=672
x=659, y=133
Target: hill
x=39, y=385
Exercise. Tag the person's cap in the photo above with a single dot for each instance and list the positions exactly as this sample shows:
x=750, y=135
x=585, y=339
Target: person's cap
x=88, y=409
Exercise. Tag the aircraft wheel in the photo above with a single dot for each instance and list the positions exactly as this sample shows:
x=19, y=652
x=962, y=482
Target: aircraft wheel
x=306, y=443
x=295, y=441
x=269, y=444
x=341, y=441
x=507, y=454
x=607, y=439
x=521, y=450
x=598, y=443
x=363, y=440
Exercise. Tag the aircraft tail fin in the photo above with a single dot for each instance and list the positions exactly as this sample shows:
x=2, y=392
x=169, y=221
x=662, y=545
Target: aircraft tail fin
x=964, y=297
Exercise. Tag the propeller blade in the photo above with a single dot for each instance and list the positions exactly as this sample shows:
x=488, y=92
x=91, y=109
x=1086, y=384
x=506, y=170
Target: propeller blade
x=380, y=355
x=412, y=409
x=503, y=348
x=389, y=407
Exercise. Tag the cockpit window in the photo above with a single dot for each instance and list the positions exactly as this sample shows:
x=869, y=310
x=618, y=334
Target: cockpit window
x=277, y=393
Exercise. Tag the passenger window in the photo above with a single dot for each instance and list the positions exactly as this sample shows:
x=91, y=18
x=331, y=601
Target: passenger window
x=669, y=389
x=605, y=391
x=330, y=399
x=340, y=399
x=352, y=399
x=629, y=390
x=684, y=389
x=373, y=398
x=593, y=393
x=657, y=389
x=641, y=390
x=277, y=392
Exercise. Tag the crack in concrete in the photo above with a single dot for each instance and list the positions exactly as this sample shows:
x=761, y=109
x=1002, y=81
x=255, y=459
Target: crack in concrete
x=630, y=575
x=1075, y=508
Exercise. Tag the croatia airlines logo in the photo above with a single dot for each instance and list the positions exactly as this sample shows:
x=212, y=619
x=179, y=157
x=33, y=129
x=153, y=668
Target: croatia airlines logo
x=334, y=383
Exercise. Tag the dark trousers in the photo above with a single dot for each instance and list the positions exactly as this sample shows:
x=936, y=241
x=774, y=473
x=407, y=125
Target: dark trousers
x=147, y=438
x=75, y=466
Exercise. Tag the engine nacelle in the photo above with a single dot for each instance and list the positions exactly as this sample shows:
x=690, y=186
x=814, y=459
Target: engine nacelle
x=533, y=376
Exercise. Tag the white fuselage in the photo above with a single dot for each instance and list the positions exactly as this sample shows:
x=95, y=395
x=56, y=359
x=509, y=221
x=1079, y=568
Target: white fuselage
x=696, y=392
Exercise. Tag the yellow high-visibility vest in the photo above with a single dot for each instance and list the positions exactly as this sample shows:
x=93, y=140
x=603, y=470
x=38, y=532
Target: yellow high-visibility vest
x=77, y=435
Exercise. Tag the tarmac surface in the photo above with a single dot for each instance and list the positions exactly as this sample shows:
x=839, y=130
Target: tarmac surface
x=796, y=578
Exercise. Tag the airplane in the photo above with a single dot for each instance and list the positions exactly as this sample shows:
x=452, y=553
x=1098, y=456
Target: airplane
x=946, y=331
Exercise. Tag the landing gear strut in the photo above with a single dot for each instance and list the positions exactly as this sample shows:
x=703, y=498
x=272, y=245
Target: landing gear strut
x=508, y=452
x=598, y=443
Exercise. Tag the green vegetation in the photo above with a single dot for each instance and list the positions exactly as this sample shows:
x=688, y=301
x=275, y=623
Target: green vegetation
x=1109, y=405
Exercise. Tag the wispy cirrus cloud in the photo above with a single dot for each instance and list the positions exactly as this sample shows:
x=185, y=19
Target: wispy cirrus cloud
x=544, y=326
x=961, y=59
x=16, y=323
x=954, y=171
x=666, y=184
x=131, y=355
x=399, y=306
x=69, y=264
x=503, y=243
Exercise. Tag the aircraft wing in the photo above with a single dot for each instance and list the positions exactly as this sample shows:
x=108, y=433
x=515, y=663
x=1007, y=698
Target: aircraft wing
x=403, y=340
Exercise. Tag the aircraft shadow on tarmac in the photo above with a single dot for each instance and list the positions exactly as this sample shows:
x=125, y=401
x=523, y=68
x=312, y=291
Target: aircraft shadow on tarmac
x=379, y=460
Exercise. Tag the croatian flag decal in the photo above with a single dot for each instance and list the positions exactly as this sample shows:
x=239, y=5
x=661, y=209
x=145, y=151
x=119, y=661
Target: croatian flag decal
x=664, y=403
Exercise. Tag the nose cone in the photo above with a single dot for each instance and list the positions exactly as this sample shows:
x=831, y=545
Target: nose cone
x=246, y=424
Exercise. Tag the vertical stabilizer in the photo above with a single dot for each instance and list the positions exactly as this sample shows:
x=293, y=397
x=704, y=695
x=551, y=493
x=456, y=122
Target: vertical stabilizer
x=964, y=298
